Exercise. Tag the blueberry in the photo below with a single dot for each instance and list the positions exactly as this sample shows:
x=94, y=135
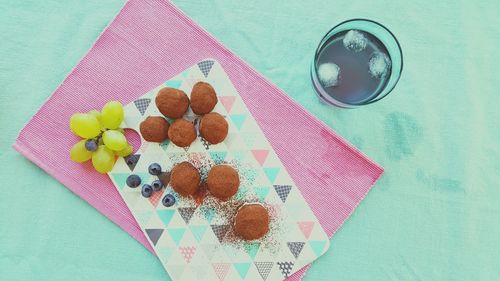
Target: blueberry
x=91, y=145
x=133, y=181
x=168, y=200
x=131, y=160
x=154, y=169
x=157, y=185
x=147, y=190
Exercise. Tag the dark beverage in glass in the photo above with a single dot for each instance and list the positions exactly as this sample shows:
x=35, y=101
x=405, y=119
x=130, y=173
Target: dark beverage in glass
x=354, y=65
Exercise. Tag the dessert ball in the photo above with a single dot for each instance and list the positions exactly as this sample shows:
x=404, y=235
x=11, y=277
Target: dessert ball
x=185, y=179
x=213, y=128
x=172, y=103
x=251, y=222
x=182, y=132
x=203, y=98
x=154, y=129
x=223, y=181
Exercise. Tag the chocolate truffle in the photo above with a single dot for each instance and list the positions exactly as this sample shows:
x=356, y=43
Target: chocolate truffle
x=185, y=179
x=172, y=103
x=203, y=98
x=251, y=222
x=213, y=128
x=182, y=132
x=154, y=129
x=223, y=181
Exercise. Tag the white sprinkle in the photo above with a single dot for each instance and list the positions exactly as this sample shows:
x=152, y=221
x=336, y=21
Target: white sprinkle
x=328, y=74
x=379, y=65
x=355, y=41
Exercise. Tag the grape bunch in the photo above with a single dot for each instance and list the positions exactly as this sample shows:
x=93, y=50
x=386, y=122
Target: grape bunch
x=103, y=139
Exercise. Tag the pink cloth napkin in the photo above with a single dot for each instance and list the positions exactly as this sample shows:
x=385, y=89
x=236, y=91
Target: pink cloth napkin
x=150, y=41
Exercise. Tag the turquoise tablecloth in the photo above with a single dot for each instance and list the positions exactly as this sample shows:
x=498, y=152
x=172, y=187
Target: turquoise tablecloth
x=435, y=213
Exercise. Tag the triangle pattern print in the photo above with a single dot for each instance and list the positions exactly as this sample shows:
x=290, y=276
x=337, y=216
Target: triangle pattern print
x=176, y=234
x=271, y=173
x=155, y=198
x=261, y=192
x=283, y=191
x=220, y=231
x=264, y=268
x=173, y=83
x=238, y=120
x=285, y=268
x=154, y=235
x=198, y=231
x=260, y=155
x=227, y=102
x=317, y=246
x=142, y=105
x=306, y=227
x=120, y=179
x=206, y=66
x=252, y=249
x=295, y=248
x=188, y=252
x=166, y=216
x=186, y=213
x=208, y=213
x=242, y=268
x=221, y=269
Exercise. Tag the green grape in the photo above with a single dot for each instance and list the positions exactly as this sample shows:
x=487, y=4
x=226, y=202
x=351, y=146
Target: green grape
x=126, y=151
x=103, y=159
x=79, y=153
x=114, y=140
x=84, y=125
x=112, y=115
x=97, y=115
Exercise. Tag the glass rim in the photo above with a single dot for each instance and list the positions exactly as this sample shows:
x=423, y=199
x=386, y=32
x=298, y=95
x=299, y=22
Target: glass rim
x=377, y=97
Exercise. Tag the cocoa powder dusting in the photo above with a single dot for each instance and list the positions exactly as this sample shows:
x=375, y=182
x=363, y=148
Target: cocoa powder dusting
x=224, y=212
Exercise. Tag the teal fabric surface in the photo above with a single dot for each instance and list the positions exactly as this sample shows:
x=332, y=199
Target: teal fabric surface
x=435, y=213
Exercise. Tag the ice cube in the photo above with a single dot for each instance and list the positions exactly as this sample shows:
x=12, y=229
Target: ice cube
x=328, y=74
x=355, y=41
x=379, y=65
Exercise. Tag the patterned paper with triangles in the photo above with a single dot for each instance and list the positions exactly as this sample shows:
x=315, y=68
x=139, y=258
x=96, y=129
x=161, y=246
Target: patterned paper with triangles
x=189, y=239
